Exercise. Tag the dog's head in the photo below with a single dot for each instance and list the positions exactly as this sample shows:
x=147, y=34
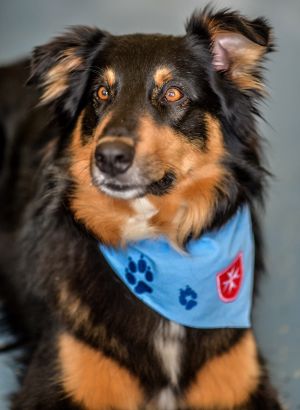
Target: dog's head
x=161, y=129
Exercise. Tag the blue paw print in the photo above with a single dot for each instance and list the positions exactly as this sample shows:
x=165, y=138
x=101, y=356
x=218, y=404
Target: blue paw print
x=135, y=268
x=187, y=298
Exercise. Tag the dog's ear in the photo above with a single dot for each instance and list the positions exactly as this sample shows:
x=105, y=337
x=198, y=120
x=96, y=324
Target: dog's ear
x=61, y=68
x=237, y=45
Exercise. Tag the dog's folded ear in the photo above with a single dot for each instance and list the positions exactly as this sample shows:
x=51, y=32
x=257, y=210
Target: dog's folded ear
x=237, y=45
x=60, y=68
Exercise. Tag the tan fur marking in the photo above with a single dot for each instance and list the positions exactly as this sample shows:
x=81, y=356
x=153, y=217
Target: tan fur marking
x=95, y=381
x=243, y=60
x=54, y=90
x=56, y=80
x=104, y=216
x=228, y=380
x=73, y=307
x=189, y=205
x=110, y=76
x=186, y=209
x=79, y=315
x=162, y=75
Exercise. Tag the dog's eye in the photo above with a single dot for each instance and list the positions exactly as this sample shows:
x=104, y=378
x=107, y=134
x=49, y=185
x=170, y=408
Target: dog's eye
x=173, y=94
x=103, y=93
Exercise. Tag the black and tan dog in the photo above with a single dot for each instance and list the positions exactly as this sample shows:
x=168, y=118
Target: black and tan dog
x=135, y=137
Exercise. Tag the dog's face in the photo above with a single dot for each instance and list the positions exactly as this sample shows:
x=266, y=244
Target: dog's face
x=161, y=131
x=142, y=114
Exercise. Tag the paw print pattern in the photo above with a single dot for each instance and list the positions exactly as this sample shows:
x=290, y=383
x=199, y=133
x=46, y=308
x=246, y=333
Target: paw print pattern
x=187, y=298
x=133, y=272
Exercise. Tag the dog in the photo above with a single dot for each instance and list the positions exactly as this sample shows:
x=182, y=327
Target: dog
x=133, y=181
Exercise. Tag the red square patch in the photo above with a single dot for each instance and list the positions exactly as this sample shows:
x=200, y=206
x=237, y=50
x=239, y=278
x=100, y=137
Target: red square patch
x=229, y=281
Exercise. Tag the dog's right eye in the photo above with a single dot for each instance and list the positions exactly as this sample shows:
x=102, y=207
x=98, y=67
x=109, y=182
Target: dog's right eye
x=103, y=93
x=173, y=94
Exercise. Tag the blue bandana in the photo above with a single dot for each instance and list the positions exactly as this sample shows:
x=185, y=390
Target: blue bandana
x=208, y=287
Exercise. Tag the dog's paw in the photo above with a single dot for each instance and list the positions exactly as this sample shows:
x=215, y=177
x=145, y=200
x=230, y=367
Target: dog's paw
x=139, y=274
x=188, y=298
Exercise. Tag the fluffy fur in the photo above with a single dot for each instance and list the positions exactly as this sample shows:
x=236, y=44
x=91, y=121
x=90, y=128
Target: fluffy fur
x=180, y=111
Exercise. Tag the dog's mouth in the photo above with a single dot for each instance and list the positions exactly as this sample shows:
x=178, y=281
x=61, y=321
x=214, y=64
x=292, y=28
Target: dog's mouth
x=123, y=188
x=122, y=191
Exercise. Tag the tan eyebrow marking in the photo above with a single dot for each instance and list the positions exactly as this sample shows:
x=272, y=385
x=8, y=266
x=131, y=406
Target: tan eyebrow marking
x=110, y=76
x=162, y=75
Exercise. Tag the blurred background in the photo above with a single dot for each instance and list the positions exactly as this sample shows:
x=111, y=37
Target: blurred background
x=26, y=23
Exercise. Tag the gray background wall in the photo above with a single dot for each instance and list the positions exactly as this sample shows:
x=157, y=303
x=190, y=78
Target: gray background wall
x=25, y=23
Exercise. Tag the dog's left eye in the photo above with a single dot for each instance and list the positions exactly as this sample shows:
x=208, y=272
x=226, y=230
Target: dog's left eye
x=103, y=93
x=173, y=94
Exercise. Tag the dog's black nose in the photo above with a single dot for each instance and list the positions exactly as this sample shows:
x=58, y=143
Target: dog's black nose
x=114, y=157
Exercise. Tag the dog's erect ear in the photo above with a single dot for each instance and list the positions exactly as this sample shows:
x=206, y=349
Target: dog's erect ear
x=238, y=45
x=61, y=68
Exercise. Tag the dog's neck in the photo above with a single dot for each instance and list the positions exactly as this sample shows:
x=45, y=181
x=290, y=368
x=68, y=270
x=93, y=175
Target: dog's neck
x=209, y=286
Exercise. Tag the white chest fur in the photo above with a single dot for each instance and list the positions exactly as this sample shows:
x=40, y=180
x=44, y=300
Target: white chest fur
x=166, y=400
x=168, y=341
x=169, y=336
x=138, y=227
